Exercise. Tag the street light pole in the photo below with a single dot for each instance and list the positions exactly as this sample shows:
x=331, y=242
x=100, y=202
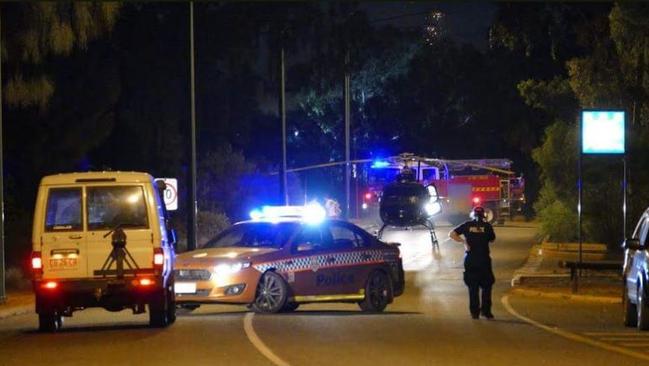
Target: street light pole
x=347, y=98
x=2, y=208
x=283, y=192
x=193, y=205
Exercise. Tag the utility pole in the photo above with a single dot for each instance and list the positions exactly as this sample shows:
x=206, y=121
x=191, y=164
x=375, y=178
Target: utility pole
x=193, y=204
x=3, y=294
x=283, y=191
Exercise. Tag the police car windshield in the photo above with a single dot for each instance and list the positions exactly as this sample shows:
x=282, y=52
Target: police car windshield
x=254, y=235
x=405, y=190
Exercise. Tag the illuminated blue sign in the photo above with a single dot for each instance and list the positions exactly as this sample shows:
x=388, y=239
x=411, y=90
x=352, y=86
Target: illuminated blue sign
x=602, y=132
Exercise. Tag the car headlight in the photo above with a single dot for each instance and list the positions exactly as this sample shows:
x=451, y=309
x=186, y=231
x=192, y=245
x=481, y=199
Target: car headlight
x=433, y=208
x=229, y=268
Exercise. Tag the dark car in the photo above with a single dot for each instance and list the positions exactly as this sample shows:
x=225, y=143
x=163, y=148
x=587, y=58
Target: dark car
x=636, y=276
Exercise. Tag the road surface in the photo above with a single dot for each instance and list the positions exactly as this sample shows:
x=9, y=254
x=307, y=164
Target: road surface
x=428, y=325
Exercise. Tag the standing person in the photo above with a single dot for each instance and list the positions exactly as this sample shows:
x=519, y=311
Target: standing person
x=478, y=274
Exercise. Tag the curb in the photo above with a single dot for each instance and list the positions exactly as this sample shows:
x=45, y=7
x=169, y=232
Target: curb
x=16, y=310
x=565, y=296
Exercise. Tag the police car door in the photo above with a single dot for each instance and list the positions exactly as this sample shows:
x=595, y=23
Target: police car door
x=307, y=261
x=353, y=258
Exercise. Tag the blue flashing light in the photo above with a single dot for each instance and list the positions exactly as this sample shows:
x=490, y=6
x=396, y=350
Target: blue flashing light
x=313, y=213
x=379, y=164
x=256, y=214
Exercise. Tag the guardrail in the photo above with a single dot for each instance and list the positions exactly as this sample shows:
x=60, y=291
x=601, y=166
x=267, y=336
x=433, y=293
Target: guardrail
x=596, y=266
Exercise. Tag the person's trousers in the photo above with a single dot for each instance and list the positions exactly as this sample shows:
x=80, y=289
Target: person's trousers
x=479, y=280
x=476, y=306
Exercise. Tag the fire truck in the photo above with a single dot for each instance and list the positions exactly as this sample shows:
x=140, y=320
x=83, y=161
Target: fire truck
x=461, y=184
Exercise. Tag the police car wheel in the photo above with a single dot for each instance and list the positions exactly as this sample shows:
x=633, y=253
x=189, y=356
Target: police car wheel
x=272, y=293
x=642, y=309
x=630, y=311
x=171, y=304
x=290, y=306
x=49, y=322
x=378, y=293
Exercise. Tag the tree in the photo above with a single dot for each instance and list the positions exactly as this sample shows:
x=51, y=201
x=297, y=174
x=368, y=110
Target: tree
x=36, y=32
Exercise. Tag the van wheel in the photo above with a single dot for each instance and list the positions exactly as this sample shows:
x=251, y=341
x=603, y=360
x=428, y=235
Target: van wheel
x=158, y=312
x=630, y=311
x=378, y=293
x=49, y=322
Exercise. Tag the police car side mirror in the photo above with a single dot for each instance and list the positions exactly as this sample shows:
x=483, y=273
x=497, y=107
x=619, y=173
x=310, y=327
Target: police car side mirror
x=633, y=244
x=305, y=247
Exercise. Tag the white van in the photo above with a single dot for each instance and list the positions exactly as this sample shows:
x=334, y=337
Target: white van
x=102, y=239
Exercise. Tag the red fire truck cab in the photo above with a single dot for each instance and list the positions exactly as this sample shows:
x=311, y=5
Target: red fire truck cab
x=461, y=184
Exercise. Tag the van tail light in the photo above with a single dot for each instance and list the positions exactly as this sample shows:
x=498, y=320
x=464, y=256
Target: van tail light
x=50, y=285
x=37, y=264
x=158, y=258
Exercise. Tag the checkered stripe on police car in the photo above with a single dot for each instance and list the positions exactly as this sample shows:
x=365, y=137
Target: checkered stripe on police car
x=320, y=261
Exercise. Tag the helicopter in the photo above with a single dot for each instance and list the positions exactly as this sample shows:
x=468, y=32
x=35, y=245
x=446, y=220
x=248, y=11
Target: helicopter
x=406, y=203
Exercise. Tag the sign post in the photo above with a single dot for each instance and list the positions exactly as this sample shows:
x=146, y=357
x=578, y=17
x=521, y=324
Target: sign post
x=171, y=193
x=601, y=132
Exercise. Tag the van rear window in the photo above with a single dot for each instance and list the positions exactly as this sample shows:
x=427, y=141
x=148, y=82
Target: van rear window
x=63, y=209
x=109, y=207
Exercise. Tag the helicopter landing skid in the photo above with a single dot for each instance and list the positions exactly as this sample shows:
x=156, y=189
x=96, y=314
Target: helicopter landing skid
x=433, y=235
x=428, y=224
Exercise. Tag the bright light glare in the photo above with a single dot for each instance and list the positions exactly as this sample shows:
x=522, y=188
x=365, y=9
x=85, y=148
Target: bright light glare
x=314, y=213
x=364, y=206
x=37, y=263
x=476, y=200
x=602, y=132
x=224, y=269
x=256, y=214
x=158, y=259
x=133, y=198
x=50, y=285
x=433, y=208
x=146, y=282
x=378, y=164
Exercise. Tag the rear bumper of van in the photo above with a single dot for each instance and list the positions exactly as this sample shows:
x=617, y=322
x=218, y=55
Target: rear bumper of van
x=111, y=294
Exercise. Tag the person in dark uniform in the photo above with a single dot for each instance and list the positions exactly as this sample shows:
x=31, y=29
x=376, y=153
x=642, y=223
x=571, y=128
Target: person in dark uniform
x=478, y=274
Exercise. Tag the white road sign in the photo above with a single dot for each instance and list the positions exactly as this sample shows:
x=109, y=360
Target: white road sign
x=171, y=193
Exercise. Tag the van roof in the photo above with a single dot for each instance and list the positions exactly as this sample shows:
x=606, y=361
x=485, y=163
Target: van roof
x=96, y=177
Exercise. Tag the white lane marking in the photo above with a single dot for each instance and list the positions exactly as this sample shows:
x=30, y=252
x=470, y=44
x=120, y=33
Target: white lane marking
x=572, y=336
x=259, y=344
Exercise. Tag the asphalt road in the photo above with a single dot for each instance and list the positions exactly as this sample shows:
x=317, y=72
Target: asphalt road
x=428, y=325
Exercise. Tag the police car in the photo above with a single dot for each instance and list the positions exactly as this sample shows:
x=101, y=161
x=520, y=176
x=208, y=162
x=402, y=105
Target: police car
x=286, y=256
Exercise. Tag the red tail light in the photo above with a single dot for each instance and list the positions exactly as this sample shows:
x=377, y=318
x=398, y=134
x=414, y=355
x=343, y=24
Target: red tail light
x=158, y=258
x=37, y=264
x=368, y=196
x=50, y=285
x=146, y=282
x=476, y=200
